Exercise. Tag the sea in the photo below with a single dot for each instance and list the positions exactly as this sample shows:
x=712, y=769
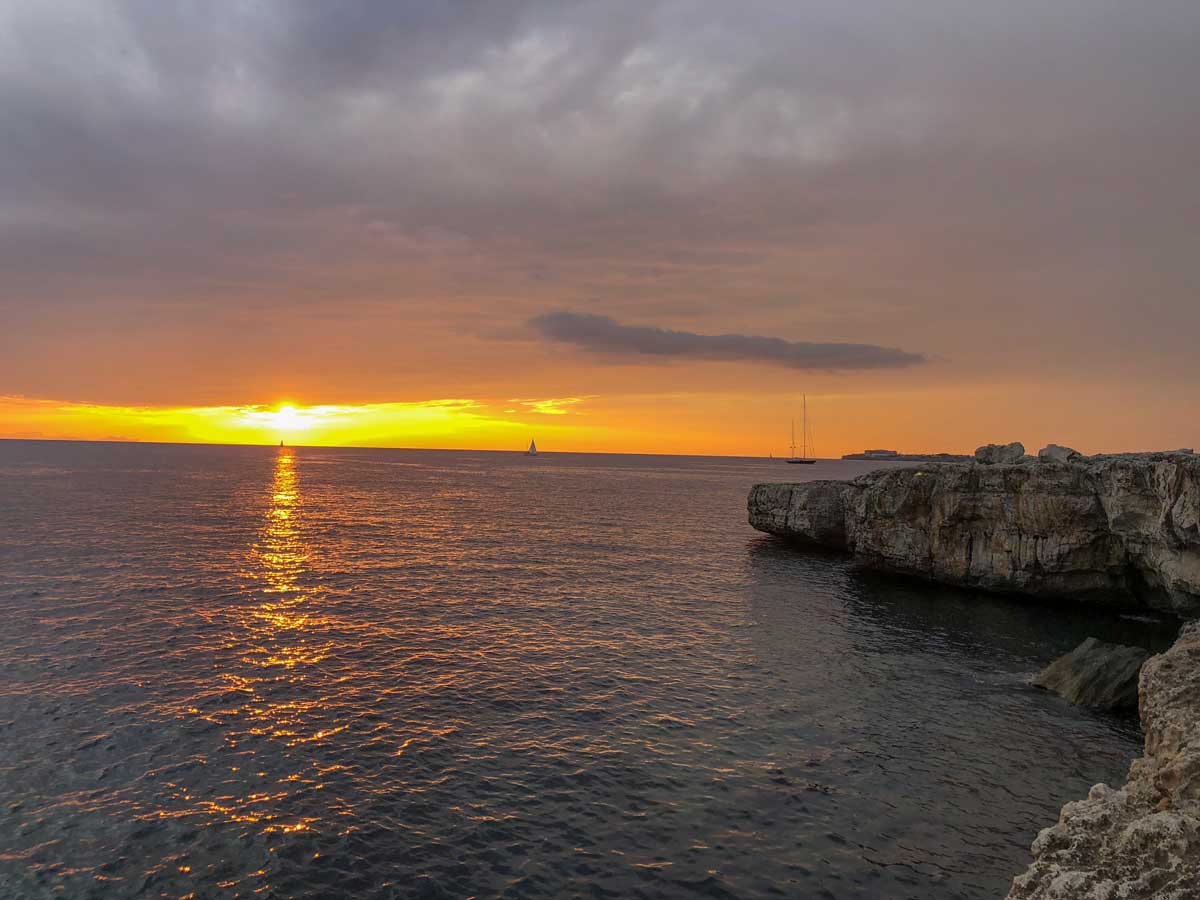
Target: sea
x=302, y=672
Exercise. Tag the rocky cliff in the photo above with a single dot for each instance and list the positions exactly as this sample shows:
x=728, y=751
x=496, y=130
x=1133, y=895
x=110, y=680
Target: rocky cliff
x=1113, y=529
x=1143, y=840
x=1121, y=529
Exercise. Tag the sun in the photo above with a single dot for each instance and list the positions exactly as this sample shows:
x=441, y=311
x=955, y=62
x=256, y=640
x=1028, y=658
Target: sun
x=288, y=418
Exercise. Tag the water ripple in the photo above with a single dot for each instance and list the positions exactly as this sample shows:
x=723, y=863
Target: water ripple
x=305, y=673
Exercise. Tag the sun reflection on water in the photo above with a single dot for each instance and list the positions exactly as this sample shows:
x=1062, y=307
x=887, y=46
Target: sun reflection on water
x=271, y=696
x=280, y=559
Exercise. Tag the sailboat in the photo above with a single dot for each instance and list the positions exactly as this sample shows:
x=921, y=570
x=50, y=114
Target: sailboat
x=532, y=451
x=803, y=459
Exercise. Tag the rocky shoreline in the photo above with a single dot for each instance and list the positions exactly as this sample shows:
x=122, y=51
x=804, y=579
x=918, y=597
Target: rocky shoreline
x=1121, y=530
x=1141, y=840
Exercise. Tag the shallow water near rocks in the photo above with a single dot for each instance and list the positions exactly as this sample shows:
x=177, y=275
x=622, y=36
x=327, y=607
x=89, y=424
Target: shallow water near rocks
x=373, y=673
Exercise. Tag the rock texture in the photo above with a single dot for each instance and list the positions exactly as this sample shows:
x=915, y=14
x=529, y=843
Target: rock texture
x=1096, y=674
x=1142, y=840
x=996, y=454
x=1114, y=529
x=1122, y=529
x=1058, y=453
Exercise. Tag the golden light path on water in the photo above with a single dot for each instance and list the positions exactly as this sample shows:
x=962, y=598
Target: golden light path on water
x=282, y=636
x=281, y=557
x=277, y=638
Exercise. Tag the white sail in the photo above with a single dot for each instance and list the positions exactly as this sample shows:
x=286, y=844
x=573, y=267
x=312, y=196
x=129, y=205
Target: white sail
x=532, y=451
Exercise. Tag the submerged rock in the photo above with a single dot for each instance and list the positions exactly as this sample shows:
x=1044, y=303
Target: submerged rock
x=1059, y=453
x=1142, y=840
x=1096, y=674
x=999, y=454
x=1122, y=529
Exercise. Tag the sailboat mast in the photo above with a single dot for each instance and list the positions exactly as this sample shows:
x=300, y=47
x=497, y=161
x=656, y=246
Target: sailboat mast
x=804, y=433
x=793, y=444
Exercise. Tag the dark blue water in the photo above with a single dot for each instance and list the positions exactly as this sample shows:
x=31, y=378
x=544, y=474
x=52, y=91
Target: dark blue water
x=313, y=673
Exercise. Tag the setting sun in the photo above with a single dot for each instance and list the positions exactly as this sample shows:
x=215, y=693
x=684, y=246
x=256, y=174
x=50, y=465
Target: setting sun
x=288, y=418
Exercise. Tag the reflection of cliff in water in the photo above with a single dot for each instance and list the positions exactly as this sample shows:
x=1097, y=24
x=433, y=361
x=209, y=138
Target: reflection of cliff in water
x=909, y=704
x=994, y=625
x=878, y=612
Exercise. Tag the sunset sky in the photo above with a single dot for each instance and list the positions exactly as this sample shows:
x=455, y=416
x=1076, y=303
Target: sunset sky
x=643, y=226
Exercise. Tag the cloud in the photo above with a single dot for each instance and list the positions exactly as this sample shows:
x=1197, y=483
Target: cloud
x=991, y=182
x=554, y=406
x=604, y=335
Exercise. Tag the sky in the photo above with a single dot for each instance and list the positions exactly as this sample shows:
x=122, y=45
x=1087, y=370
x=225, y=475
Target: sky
x=616, y=226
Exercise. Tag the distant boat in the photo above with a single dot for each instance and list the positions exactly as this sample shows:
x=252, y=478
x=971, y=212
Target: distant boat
x=803, y=459
x=281, y=443
x=532, y=451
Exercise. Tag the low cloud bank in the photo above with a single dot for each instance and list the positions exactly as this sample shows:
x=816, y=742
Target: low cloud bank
x=601, y=334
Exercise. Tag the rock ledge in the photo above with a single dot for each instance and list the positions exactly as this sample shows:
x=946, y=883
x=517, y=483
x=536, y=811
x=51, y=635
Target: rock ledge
x=1121, y=529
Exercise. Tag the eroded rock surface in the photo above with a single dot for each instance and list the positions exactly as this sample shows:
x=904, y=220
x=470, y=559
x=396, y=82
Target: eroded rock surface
x=997, y=454
x=1096, y=673
x=1121, y=529
x=1058, y=453
x=1142, y=840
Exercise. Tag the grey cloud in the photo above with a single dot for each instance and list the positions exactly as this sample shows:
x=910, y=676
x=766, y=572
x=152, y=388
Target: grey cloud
x=601, y=334
x=939, y=171
x=437, y=109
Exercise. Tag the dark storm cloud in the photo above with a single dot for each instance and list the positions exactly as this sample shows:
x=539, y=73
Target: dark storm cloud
x=601, y=334
x=461, y=110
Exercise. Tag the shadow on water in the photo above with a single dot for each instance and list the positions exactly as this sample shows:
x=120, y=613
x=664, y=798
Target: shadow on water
x=896, y=612
x=946, y=760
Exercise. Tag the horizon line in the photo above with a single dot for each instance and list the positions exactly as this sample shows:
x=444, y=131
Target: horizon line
x=412, y=449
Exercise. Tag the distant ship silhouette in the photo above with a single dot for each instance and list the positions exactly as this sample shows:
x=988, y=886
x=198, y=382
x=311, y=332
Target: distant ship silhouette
x=532, y=451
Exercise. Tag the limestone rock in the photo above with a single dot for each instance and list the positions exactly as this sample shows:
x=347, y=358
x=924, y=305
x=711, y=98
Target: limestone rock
x=1115, y=529
x=999, y=454
x=1121, y=530
x=820, y=519
x=1142, y=841
x=1059, y=453
x=1096, y=674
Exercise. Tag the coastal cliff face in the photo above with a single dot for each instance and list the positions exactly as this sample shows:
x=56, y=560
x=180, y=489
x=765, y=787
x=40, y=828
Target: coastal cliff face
x=1142, y=840
x=1121, y=529
x=1112, y=529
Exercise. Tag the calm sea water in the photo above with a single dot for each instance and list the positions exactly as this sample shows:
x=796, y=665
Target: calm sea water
x=314, y=673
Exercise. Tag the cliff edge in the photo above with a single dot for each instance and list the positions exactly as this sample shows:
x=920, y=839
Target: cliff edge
x=1120, y=529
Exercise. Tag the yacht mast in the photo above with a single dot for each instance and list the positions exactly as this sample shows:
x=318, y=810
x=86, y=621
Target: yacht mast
x=804, y=433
